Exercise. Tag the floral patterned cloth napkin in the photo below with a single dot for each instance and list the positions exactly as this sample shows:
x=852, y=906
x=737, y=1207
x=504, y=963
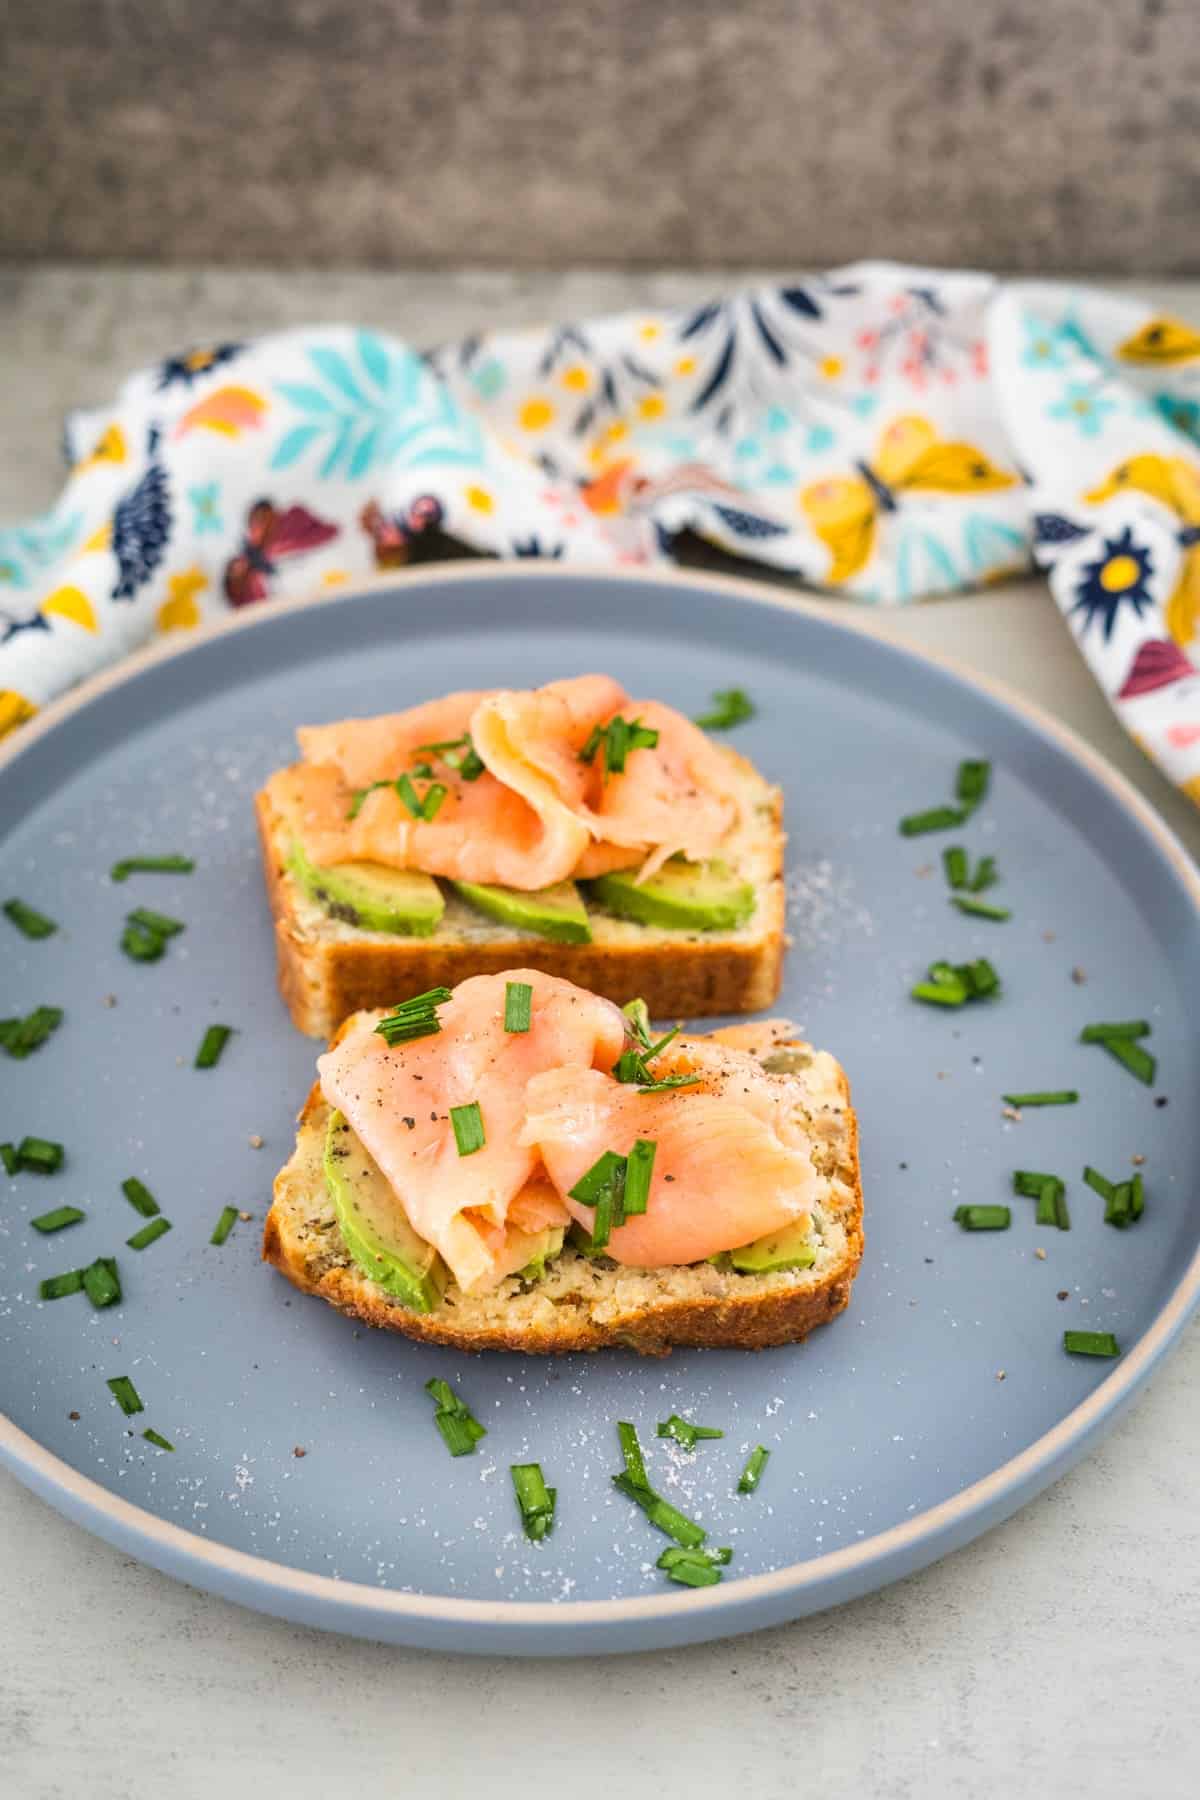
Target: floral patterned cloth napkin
x=886, y=433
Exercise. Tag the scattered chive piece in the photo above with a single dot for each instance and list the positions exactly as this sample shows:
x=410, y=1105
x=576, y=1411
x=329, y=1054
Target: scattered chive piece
x=413, y=1018
x=602, y=1219
x=1090, y=1343
x=603, y=1186
x=954, y=862
x=954, y=984
x=432, y=803
x=730, y=707
x=518, y=1003
x=211, y=1046
x=142, y=944
x=56, y=1287
x=971, y=784
x=1049, y=1194
x=535, y=1499
x=631, y=1450
x=156, y=1438
x=1098, y=1183
x=151, y=865
x=940, y=993
x=1117, y=1207
x=125, y=1395
x=938, y=818
x=1062, y=1217
x=1137, y=1198
x=661, y=1513
x=8, y=1157
x=102, y=1282
x=685, y=1433
x=57, y=1220
x=149, y=1233
x=1029, y=1183
x=28, y=920
x=1050, y=1097
x=155, y=921
x=1120, y=1028
x=139, y=1197
x=983, y=1218
x=22, y=1036
x=693, y=1568
x=467, y=1122
x=39, y=1155
x=619, y=737
x=590, y=1186
x=1139, y=1062
x=421, y=807
x=639, y=1166
x=984, y=876
x=224, y=1224
x=980, y=909
x=459, y=754
x=751, y=1475
x=460, y=1431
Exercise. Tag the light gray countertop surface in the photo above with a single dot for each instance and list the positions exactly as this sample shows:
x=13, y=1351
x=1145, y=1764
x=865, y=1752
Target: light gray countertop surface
x=1059, y=1656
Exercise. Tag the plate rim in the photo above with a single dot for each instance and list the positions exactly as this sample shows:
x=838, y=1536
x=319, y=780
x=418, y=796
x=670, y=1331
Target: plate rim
x=190, y=1556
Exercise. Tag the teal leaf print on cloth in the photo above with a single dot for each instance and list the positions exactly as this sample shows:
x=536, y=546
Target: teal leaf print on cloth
x=25, y=550
x=1082, y=406
x=206, y=507
x=385, y=408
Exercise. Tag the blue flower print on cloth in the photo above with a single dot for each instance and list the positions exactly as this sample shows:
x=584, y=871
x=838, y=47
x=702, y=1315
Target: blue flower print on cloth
x=882, y=432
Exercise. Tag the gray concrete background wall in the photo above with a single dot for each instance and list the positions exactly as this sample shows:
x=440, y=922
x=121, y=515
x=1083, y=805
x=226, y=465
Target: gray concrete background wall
x=1031, y=134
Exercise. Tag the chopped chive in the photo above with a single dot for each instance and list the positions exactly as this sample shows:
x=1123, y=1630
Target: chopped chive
x=139, y=1197
x=20, y=1037
x=1137, y=1198
x=102, y=1282
x=1062, y=1217
x=28, y=920
x=751, y=1475
x=668, y=1081
x=156, y=1438
x=731, y=706
x=39, y=1155
x=151, y=865
x=149, y=1233
x=694, y=1568
x=518, y=1004
x=661, y=1513
x=980, y=909
x=1117, y=1207
x=1098, y=1183
x=604, y=1218
x=984, y=876
x=224, y=1224
x=619, y=737
x=535, y=1499
x=432, y=803
x=467, y=1122
x=56, y=1287
x=211, y=1046
x=971, y=784
x=424, y=807
x=1050, y=1097
x=1120, y=1028
x=639, y=1166
x=631, y=1450
x=460, y=1431
x=155, y=921
x=938, y=818
x=685, y=1433
x=58, y=1220
x=1030, y=1183
x=1090, y=1343
x=125, y=1395
x=142, y=944
x=954, y=862
x=1139, y=1062
x=940, y=993
x=602, y=1174
x=983, y=1218
x=1048, y=1201
x=8, y=1156
x=414, y=1018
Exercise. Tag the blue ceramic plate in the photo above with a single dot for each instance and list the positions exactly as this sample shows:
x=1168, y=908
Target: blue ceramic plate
x=893, y=1437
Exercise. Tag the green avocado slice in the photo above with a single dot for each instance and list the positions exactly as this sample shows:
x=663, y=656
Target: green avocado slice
x=549, y=1244
x=555, y=912
x=790, y=1249
x=681, y=896
x=371, y=896
x=374, y=1227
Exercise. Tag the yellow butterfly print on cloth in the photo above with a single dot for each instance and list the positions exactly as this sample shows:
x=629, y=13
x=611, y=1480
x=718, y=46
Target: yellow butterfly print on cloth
x=179, y=612
x=14, y=710
x=1161, y=340
x=70, y=603
x=1175, y=484
x=110, y=447
x=229, y=411
x=844, y=510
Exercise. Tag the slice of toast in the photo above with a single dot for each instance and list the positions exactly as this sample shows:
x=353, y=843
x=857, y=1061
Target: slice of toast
x=328, y=969
x=589, y=1303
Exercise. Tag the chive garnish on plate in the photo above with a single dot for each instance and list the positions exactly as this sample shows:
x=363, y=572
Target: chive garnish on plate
x=414, y=1018
x=535, y=1500
x=660, y=1512
x=149, y=1233
x=984, y=876
x=1090, y=1343
x=730, y=707
x=618, y=737
x=156, y=1438
x=8, y=1156
x=142, y=945
x=28, y=920
x=1117, y=1028
x=936, y=818
x=224, y=1224
x=684, y=1432
x=694, y=1568
x=1052, y=1204
x=162, y=923
x=751, y=1475
x=1045, y=1097
x=1118, y=1205
x=980, y=909
x=58, y=1219
x=211, y=1046
x=460, y=1430
x=56, y=1287
x=954, y=984
x=125, y=1395
x=41, y=1156
x=1029, y=1182
x=20, y=1037
x=983, y=1218
x=518, y=1005
x=639, y=1167
x=631, y=1450
x=1127, y=1051
x=971, y=783
x=139, y=1197
x=603, y=1187
x=151, y=865
x=954, y=862
x=467, y=1124
x=102, y=1282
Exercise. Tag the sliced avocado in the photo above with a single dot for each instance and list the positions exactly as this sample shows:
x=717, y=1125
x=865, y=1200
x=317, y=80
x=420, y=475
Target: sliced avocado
x=374, y=1227
x=372, y=896
x=550, y=1245
x=790, y=1249
x=682, y=896
x=554, y=912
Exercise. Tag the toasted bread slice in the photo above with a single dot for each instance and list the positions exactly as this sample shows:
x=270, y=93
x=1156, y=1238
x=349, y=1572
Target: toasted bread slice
x=589, y=1303
x=328, y=969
